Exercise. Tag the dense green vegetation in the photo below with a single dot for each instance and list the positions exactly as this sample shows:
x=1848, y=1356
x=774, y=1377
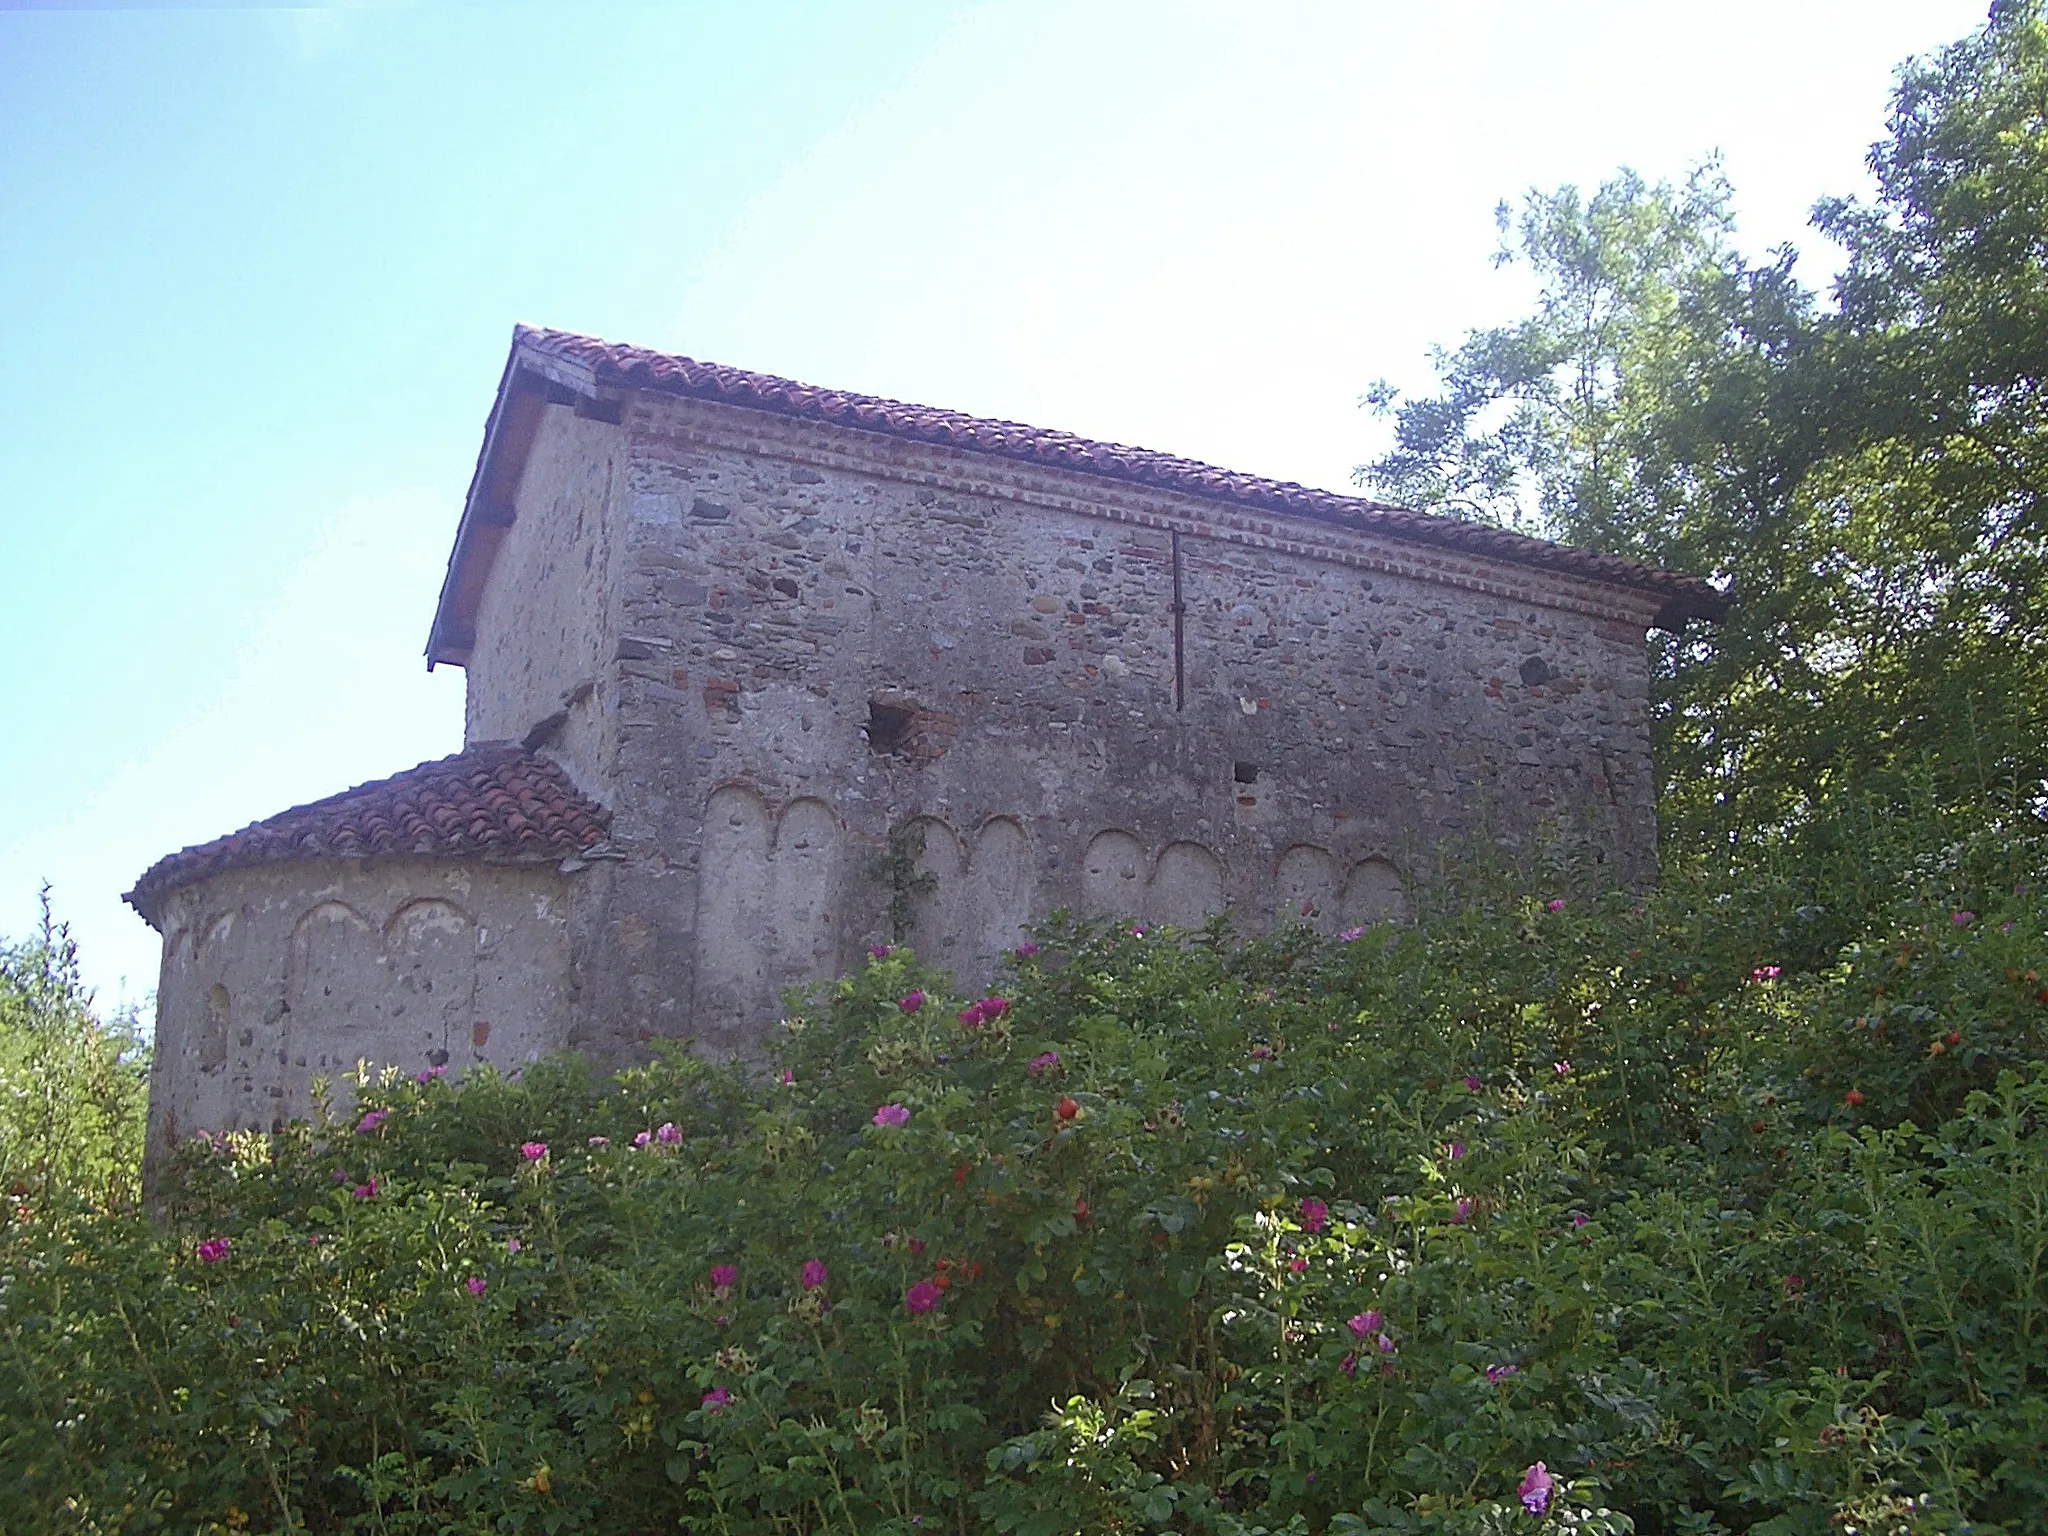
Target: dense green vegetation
x=72, y=1087
x=1718, y=1209
x=1291, y=1235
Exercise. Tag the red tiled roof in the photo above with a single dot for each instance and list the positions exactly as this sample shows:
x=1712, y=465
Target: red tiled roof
x=495, y=802
x=607, y=364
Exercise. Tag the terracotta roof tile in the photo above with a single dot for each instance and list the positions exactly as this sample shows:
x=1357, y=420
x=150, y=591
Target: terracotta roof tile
x=493, y=801
x=609, y=364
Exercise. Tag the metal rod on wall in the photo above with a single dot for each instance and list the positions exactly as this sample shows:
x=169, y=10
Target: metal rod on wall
x=1180, y=689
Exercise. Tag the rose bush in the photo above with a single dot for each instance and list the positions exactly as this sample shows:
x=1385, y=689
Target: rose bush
x=1539, y=1215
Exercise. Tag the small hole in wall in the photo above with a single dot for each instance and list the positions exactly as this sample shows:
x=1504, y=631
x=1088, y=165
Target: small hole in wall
x=890, y=727
x=1246, y=773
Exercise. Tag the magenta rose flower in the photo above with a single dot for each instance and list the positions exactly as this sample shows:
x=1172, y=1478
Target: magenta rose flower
x=477, y=1285
x=892, y=1114
x=921, y=1297
x=911, y=1001
x=1314, y=1215
x=722, y=1276
x=1535, y=1490
x=815, y=1274
x=533, y=1151
x=213, y=1250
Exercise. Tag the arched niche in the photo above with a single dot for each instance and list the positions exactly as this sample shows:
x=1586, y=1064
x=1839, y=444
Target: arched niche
x=334, y=976
x=1308, y=888
x=805, y=871
x=1187, y=886
x=215, y=1016
x=735, y=906
x=1001, y=884
x=936, y=911
x=431, y=947
x=1373, y=893
x=1113, y=876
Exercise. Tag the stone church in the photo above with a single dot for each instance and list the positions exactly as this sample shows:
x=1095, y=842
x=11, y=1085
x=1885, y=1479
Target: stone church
x=729, y=639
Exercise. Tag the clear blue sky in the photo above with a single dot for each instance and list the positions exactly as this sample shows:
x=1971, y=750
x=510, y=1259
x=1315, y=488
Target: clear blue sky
x=259, y=269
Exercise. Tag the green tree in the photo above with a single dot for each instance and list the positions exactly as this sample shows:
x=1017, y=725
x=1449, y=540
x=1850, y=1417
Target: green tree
x=73, y=1088
x=1865, y=471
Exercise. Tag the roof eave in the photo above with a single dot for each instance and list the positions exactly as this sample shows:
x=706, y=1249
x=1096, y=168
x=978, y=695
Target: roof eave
x=531, y=380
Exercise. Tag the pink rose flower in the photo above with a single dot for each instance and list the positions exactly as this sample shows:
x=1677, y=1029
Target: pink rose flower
x=1535, y=1490
x=892, y=1114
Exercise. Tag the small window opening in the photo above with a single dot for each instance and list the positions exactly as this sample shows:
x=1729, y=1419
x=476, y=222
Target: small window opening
x=1247, y=773
x=890, y=727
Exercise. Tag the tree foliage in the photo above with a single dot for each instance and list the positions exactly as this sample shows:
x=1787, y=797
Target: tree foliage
x=72, y=1088
x=1865, y=470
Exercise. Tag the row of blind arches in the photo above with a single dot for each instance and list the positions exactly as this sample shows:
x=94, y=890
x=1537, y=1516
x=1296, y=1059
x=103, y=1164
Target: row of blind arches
x=768, y=883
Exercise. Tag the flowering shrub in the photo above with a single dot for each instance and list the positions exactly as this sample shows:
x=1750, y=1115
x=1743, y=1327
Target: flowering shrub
x=1091, y=1262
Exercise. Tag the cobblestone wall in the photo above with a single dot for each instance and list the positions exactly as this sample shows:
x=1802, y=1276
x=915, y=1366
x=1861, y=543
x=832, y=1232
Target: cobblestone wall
x=1069, y=691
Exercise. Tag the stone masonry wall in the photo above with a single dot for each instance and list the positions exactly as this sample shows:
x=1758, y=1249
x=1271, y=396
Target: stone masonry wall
x=822, y=635
x=278, y=974
x=545, y=624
